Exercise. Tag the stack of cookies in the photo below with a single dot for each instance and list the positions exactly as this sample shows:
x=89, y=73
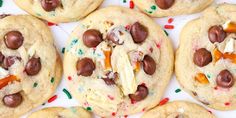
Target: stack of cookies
x=117, y=60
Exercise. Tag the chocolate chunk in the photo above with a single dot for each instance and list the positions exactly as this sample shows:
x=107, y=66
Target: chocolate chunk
x=139, y=32
x=112, y=36
x=12, y=100
x=85, y=67
x=149, y=65
x=216, y=34
x=50, y=5
x=4, y=15
x=33, y=66
x=9, y=61
x=225, y=79
x=165, y=4
x=92, y=38
x=140, y=94
x=202, y=57
x=109, y=81
x=13, y=39
x=1, y=57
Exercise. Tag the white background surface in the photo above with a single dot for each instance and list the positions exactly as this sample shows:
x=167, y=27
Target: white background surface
x=62, y=31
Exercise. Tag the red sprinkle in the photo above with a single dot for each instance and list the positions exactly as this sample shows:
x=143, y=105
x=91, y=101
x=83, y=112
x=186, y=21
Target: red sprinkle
x=113, y=114
x=170, y=20
x=69, y=78
x=132, y=101
x=164, y=101
x=51, y=24
x=216, y=88
x=131, y=4
x=127, y=27
x=143, y=109
x=126, y=116
x=169, y=27
x=110, y=97
x=227, y=104
x=209, y=111
x=53, y=98
x=158, y=45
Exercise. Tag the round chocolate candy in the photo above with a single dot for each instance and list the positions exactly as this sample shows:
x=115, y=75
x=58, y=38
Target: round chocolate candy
x=165, y=4
x=216, y=34
x=92, y=38
x=13, y=40
x=12, y=100
x=33, y=66
x=139, y=32
x=140, y=94
x=85, y=67
x=149, y=65
x=50, y=5
x=202, y=57
x=225, y=79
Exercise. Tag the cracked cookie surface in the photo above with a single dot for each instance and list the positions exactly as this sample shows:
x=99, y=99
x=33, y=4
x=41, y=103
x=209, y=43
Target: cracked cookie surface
x=118, y=62
x=205, y=60
x=30, y=67
x=58, y=11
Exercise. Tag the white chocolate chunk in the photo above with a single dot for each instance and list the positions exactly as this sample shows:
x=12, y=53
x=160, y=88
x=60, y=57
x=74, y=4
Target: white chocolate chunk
x=3, y=73
x=125, y=70
x=229, y=46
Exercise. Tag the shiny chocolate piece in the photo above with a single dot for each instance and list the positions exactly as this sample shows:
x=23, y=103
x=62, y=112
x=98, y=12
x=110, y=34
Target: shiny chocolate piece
x=50, y=5
x=85, y=67
x=225, y=79
x=216, y=34
x=149, y=65
x=140, y=94
x=13, y=40
x=139, y=32
x=202, y=57
x=33, y=66
x=92, y=38
x=165, y=4
x=12, y=100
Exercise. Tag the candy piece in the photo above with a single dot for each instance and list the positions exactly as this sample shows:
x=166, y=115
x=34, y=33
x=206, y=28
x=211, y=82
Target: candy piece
x=85, y=67
x=231, y=57
x=202, y=57
x=140, y=94
x=225, y=79
x=139, y=32
x=92, y=38
x=50, y=5
x=4, y=82
x=217, y=55
x=13, y=40
x=229, y=27
x=229, y=46
x=201, y=78
x=107, y=60
x=12, y=100
x=164, y=4
x=216, y=34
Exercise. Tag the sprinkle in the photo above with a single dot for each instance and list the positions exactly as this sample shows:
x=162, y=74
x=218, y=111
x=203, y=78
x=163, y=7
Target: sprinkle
x=169, y=26
x=208, y=76
x=153, y=7
x=163, y=101
x=51, y=24
x=124, y=1
x=53, y=98
x=227, y=104
x=170, y=20
x=110, y=97
x=80, y=52
x=113, y=114
x=177, y=90
x=131, y=4
x=126, y=116
x=69, y=78
x=166, y=33
x=216, y=88
x=127, y=27
x=67, y=93
x=209, y=111
x=35, y=84
x=43, y=104
x=52, y=79
x=1, y=3
x=158, y=45
x=143, y=109
x=63, y=50
x=89, y=109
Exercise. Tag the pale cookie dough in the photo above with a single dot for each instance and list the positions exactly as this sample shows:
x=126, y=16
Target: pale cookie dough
x=162, y=8
x=58, y=11
x=179, y=109
x=206, y=57
x=124, y=61
x=30, y=67
x=59, y=112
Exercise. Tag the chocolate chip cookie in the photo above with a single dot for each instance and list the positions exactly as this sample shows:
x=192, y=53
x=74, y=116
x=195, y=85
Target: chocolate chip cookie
x=179, y=109
x=58, y=11
x=162, y=8
x=59, y=112
x=118, y=62
x=30, y=67
x=206, y=58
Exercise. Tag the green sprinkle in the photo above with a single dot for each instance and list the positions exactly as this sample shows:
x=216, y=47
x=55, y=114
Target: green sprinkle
x=124, y=1
x=63, y=50
x=35, y=84
x=1, y=3
x=208, y=76
x=52, y=79
x=89, y=109
x=177, y=90
x=153, y=7
x=166, y=33
x=80, y=52
x=67, y=93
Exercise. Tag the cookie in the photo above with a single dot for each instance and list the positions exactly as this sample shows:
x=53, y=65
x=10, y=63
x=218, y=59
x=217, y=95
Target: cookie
x=58, y=11
x=59, y=112
x=178, y=109
x=163, y=8
x=118, y=62
x=30, y=67
x=205, y=59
